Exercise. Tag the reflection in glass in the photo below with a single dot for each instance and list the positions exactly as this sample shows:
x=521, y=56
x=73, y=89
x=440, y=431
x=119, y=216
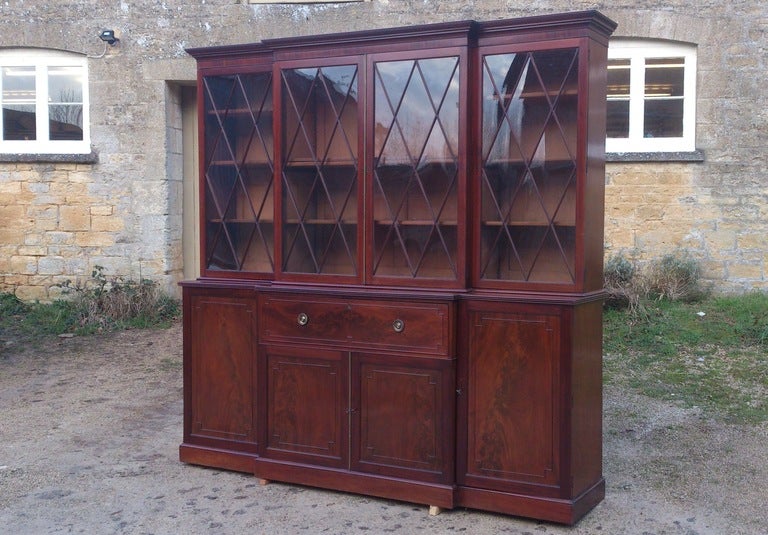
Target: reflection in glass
x=18, y=100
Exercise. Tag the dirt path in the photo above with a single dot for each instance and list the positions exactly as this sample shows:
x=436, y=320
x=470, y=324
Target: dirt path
x=89, y=431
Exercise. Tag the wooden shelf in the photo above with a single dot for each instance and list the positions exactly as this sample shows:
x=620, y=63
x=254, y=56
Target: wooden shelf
x=318, y=221
x=498, y=223
x=416, y=222
x=241, y=221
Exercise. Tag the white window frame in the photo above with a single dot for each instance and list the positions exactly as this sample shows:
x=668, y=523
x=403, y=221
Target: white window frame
x=637, y=51
x=41, y=60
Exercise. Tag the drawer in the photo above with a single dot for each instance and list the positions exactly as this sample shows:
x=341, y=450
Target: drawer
x=418, y=327
x=350, y=323
x=305, y=319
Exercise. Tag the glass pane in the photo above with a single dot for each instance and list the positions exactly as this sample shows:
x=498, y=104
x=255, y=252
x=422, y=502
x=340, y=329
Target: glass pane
x=664, y=90
x=65, y=122
x=320, y=169
x=65, y=84
x=415, y=181
x=617, y=125
x=528, y=194
x=664, y=77
x=238, y=150
x=663, y=118
x=618, y=98
x=18, y=99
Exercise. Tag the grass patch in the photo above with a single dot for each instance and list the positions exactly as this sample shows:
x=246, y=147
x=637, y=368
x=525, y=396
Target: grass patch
x=712, y=353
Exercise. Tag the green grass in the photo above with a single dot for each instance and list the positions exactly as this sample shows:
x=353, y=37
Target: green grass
x=717, y=361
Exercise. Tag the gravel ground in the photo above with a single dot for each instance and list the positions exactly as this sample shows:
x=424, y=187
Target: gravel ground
x=90, y=428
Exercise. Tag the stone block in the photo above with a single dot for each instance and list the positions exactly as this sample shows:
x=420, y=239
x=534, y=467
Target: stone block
x=50, y=265
x=753, y=240
x=102, y=210
x=74, y=218
x=746, y=271
x=106, y=223
x=24, y=265
x=33, y=250
x=32, y=293
x=94, y=239
x=13, y=187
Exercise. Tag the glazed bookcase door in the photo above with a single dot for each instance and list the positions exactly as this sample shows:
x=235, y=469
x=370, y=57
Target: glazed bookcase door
x=529, y=172
x=238, y=173
x=320, y=169
x=416, y=170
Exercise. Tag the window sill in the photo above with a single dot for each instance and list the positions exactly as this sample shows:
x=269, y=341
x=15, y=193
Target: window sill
x=669, y=157
x=92, y=157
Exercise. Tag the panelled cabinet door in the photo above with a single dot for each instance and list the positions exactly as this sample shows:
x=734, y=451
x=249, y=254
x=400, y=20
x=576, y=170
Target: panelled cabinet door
x=402, y=417
x=512, y=400
x=306, y=405
x=222, y=368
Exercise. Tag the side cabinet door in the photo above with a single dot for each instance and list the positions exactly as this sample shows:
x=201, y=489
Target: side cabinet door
x=306, y=405
x=221, y=365
x=512, y=385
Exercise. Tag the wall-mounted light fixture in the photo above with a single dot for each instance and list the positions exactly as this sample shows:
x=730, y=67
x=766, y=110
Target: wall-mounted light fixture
x=110, y=36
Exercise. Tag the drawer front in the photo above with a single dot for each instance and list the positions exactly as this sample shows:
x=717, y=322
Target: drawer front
x=349, y=323
x=304, y=319
x=414, y=327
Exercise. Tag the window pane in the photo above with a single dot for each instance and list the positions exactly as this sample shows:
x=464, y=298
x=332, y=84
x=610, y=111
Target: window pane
x=618, y=98
x=618, y=119
x=663, y=118
x=664, y=89
x=664, y=77
x=66, y=122
x=19, y=122
x=65, y=84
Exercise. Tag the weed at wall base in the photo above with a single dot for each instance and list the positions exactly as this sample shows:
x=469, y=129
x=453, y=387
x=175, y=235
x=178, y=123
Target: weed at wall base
x=97, y=304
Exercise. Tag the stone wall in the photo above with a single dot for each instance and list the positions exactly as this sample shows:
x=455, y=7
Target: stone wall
x=123, y=211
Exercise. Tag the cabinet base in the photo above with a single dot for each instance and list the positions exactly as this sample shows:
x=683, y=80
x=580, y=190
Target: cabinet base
x=369, y=484
x=549, y=509
x=436, y=496
x=215, y=458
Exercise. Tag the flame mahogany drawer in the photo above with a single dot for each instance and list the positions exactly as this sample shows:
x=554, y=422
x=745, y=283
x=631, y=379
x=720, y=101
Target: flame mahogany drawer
x=424, y=328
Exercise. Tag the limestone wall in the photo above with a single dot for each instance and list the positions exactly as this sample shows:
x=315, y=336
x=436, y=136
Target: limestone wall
x=123, y=211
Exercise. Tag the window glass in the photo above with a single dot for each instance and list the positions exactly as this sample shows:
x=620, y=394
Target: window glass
x=618, y=98
x=19, y=121
x=65, y=103
x=664, y=93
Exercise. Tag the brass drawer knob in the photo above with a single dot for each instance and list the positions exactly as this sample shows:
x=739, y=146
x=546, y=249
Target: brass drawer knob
x=398, y=325
x=302, y=319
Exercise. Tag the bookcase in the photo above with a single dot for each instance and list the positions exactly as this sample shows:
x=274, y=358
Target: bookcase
x=401, y=280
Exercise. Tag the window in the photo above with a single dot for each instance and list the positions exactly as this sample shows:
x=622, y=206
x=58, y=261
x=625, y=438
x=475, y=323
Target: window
x=651, y=96
x=43, y=102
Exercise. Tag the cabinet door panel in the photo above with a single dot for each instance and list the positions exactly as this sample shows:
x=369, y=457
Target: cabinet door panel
x=222, y=368
x=512, y=386
x=403, y=417
x=307, y=405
